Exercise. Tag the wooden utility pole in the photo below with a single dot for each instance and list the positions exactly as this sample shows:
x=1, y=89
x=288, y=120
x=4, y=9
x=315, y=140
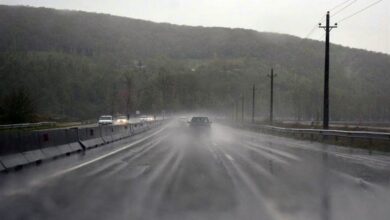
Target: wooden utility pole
x=327, y=29
x=253, y=103
x=271, y=110
x=242, y=108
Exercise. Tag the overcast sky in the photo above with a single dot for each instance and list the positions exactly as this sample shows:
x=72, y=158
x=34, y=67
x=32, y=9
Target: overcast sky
x=369, y=30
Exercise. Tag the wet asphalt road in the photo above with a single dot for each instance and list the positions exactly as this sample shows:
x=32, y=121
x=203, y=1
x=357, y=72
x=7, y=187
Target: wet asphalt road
x=175, y=173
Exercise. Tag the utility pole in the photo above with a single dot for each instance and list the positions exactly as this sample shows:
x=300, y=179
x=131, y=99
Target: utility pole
x=129, y=94
x=271, y=110
x=233, y=111
x=242, y=108
x=236, y=109
x=327, y=29
x=253, y=103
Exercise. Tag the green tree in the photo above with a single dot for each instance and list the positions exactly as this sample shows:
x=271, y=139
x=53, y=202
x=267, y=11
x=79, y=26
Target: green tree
x=17, y=107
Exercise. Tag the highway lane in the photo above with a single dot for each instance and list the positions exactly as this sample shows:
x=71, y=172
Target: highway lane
x=174, y=172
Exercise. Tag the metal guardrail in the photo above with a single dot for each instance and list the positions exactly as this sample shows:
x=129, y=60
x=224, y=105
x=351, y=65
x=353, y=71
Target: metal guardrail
x=327, y=133
x=27, y=125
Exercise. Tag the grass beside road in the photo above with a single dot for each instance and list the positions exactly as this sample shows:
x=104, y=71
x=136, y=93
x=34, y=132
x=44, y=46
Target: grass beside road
x=60, y=125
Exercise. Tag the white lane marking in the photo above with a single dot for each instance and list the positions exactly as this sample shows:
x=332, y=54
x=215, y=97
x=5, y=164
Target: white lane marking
x=229, y=157
x=251, y=184
x=149, y=147
x=363, y=159
x=134, y=154
x=355, y=179
x=239, y=157
x=106, y=155
x=276, y=151
x=266, y=154
x=212, y=152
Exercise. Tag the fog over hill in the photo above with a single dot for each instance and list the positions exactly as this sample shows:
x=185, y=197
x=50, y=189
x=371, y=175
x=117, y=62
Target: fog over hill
x=79, y=65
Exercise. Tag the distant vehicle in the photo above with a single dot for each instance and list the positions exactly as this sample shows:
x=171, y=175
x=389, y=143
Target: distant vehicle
x=200, y=122
x=121, y=120
x=145, y=118
x=105, y=120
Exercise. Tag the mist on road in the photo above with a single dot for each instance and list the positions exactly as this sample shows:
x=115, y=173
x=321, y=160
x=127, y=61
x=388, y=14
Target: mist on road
x=179, y=172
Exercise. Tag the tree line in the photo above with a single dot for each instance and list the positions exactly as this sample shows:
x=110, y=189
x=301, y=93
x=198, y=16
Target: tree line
x=59, y=86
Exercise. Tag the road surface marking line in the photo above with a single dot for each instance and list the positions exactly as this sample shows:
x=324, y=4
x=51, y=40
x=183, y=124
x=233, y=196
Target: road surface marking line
x=37, y=182
x=134, y=154
x=266, y=154
x=106, y=155
x=229, y=157
x=355, y=179
x=275, y=151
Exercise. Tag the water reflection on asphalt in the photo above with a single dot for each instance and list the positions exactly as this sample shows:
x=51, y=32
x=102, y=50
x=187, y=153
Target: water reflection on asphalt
x=221, y=173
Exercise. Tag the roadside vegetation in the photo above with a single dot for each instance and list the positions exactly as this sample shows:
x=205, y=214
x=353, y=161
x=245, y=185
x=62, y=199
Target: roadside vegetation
x=72, y=66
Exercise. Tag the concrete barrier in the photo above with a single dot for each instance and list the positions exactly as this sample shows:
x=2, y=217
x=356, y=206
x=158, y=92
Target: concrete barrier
x=55, y=143
x=90, y=137
x=125, y=131
x=139, y=128
x=27, y=141
x=131, y=129
x=107, y=132
x=135, y=128
x=72, y=136
x=21, y=148
x=17, y=149
x=13, y=160
x=2, y=167
x=34, y=156
x=119, y=132
x=7, y=143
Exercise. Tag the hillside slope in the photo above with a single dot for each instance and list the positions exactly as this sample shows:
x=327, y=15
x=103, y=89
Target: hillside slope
x=73, y=63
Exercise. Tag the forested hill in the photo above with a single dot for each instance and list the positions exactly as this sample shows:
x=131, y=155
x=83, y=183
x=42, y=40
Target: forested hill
x=40, y=29
x=74, y=64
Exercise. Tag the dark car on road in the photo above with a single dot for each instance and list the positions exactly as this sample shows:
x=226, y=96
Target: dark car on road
x=200, y=122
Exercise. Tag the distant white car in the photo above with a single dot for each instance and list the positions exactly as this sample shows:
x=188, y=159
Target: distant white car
x=105, y=120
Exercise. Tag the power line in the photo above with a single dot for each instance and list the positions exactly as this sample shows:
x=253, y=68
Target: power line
x=322, y=17
x=310, y=32
x=343, y=8
x=322, y=36
x=359, y=11
x=341, y=4
x=346, y=5
x=314, y=28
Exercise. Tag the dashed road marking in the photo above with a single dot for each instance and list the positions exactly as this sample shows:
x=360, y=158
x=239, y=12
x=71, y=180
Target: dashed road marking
x=229, y=157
